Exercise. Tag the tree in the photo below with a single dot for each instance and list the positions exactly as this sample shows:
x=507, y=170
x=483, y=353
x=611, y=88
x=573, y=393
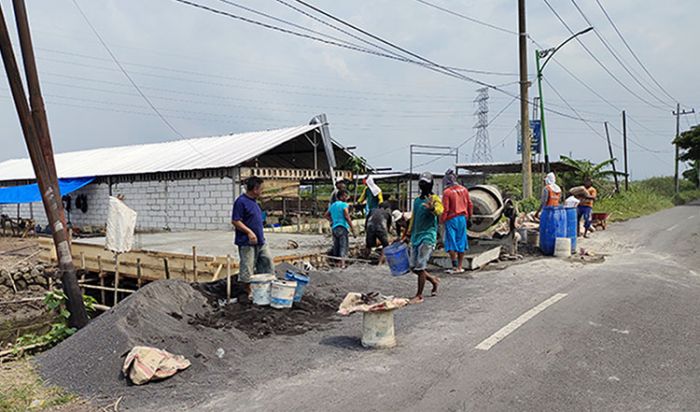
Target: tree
x=583, y=169
x=689, y=141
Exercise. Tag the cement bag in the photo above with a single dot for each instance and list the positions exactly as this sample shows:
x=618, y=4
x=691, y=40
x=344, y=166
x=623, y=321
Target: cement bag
x=121, y=222
x=144, y=364
x=579, y=191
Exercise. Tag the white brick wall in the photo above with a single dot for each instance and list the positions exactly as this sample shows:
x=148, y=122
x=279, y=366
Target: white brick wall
x=193, y=204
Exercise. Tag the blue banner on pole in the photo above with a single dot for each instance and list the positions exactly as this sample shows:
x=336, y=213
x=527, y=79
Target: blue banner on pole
x=536, y=133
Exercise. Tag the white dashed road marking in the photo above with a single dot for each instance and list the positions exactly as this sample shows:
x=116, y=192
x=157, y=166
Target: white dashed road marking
x=671, y=228
x=489, y=342
x=691, y=217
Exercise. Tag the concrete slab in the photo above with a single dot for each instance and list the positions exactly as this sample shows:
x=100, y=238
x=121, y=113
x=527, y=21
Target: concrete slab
x=220, y=243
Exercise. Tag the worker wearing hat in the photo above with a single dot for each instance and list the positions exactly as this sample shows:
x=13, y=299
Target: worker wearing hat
x=422, y=229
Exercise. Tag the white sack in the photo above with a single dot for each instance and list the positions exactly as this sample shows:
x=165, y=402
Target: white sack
x=121, y=222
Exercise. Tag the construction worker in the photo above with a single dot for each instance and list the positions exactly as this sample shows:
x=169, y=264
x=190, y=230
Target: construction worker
x=372, y=195
x=458, y=208
x=423, y=229
x=247, y=218
x=585, y=207
x=551, y=193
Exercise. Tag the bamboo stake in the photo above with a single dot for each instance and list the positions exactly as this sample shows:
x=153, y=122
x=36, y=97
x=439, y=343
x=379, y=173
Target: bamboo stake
x=82, y=268
x=218, y=271
x=194, y=264
x=184, y=270
x=138, y=272
x=167, y=270
x=228, y=278
x=101, y=275
x=116, y=279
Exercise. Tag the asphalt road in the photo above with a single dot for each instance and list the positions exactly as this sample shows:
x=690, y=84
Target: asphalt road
x=623, y=335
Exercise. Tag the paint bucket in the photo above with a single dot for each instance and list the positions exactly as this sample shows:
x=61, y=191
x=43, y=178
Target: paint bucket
x=562, y=247
x=301, y=280
x=533, y=237
x=378, y=330
x=572, y=226
x=397, y=257
x=260, y=288
x=552, y=226
x=282, y=293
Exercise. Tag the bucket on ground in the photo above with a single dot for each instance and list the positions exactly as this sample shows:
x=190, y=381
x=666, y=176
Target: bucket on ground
x=562, y=247
x=552, y=226
x=301, y=280
x=397, y=257
x=282, y=293
x=378, y=330
x=260, y=287
x=572, y=226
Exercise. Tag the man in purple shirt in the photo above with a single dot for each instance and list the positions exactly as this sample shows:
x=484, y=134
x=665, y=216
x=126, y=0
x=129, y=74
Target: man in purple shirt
x=247, y=219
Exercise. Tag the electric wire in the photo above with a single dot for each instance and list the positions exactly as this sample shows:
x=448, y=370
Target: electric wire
x=600, y=63
x=471, y=19
x=615, y=55
x=643, y=66
x=126, y=74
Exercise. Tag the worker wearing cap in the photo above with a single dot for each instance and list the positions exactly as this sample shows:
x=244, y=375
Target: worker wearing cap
x=458, y=208
x=423, y=228
x=585, y=208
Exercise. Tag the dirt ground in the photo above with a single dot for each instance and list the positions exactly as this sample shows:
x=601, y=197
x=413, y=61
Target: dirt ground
x=14, y=251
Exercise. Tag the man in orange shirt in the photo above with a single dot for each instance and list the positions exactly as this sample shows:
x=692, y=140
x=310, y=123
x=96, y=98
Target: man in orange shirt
x=585, y=208
x=458, y=208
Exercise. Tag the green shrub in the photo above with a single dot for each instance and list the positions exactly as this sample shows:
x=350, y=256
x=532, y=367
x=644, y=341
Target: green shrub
x=528, y=205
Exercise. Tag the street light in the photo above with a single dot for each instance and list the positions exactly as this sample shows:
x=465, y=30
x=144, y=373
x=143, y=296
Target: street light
x=542, y=54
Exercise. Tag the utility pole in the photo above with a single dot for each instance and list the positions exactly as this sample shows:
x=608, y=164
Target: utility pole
x=524, y=117
x=45, y=175
x=624, y=148
x=612, y=158
x=678, y=113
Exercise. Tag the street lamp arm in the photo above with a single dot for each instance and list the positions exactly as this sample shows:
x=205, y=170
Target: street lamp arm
x=551, y=52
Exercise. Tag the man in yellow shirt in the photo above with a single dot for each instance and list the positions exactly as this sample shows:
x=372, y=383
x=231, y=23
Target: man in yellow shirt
x=585, y=208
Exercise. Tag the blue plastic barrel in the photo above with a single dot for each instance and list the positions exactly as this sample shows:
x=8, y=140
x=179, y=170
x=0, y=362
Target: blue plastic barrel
x=301, y=280
x=552, y=226
x=397, y=258
x=571, y=226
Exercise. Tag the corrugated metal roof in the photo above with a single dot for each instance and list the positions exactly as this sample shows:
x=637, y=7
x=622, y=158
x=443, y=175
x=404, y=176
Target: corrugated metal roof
x=180, y=155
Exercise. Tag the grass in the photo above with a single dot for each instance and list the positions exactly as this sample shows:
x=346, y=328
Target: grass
x=21, y=389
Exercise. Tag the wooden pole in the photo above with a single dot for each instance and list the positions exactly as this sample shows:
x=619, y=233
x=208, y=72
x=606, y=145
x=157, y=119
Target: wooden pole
x=51, y=196
x=612, y=157
x=526, y=139
x=194, y=264
x=116, y=278
x=167, y=270
x=82, y=268
x=138, y=273
x=228, y=278
x=101, y=275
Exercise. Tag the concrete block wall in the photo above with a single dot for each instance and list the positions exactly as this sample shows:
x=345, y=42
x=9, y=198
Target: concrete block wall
x=189, y=204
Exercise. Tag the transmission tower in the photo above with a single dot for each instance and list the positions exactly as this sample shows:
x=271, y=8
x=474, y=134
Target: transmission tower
x=482, y=144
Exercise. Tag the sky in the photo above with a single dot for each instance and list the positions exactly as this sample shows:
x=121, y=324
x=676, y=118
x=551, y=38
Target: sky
x=209, y=74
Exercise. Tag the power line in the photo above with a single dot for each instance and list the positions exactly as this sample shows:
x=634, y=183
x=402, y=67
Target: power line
x=126, y=74
x=471, y=19
x=600, y=63
x=615, y=55
x=612, y=23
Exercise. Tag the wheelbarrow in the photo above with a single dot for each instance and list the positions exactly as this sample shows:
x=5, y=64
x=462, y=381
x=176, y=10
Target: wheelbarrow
x=600, y=219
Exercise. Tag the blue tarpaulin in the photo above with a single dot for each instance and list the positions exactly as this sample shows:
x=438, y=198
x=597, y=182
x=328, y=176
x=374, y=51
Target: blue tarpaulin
x=30, y=193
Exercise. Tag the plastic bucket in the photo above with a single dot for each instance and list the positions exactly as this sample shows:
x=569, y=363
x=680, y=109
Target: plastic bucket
x=562, y=247
x=397, y=257
x=260, y=288
x=282, y=293
x=301, y=280
x=378, y=330
x=552, y=226
x=572, y=226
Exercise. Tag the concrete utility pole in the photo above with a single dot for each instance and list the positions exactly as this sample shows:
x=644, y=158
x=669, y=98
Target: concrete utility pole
x=678, y=113
x=44, y=171
x=612, y=157
x=624, y=148
x=524, y=116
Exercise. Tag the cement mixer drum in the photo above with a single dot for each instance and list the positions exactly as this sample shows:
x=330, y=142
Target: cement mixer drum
x=488, y=207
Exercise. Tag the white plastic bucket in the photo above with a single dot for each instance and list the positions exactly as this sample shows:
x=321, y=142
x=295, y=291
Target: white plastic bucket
x=282, y=293
x=562, y=247
x=378, y=330
x=260, y=287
